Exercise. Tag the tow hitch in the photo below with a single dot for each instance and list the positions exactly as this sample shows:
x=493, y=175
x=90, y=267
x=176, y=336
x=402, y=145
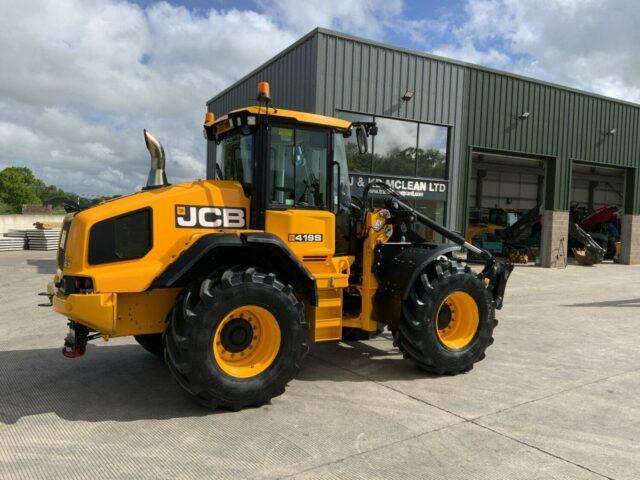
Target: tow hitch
x=75, y=343
x=49, y=297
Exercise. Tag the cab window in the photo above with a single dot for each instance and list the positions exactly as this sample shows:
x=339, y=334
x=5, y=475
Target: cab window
x=298, y=167
x=341, y=189
x=234, y=157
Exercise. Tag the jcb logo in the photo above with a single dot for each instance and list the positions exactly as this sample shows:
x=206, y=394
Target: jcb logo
x=190, y=216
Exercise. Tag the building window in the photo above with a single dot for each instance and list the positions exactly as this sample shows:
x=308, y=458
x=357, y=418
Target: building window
x=433, y=209
x=394, y=147
x=401, y=148
x=410, y=156
x=432, y=151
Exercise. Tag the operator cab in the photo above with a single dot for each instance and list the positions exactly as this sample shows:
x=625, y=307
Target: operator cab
x=287, y=160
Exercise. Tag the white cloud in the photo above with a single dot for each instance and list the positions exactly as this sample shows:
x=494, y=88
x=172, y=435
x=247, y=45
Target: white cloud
x=588, y=44
x=359, y=17
x=468, y=52
x=80, y=80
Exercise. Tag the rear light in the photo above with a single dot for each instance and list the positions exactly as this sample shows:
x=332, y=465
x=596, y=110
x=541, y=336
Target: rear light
x=70, y=285
x=84, y=285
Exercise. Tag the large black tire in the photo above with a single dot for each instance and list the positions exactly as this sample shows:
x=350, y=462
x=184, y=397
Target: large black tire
x=192, y=326
x=151, y=343
x=417, y=336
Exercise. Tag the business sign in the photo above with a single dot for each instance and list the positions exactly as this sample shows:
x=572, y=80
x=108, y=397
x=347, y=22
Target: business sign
x=410, y=188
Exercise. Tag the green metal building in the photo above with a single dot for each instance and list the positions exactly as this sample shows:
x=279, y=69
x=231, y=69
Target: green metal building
x=458, y=138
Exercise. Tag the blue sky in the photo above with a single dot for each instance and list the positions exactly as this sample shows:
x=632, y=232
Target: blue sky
x=429, y=9
x=80, y=80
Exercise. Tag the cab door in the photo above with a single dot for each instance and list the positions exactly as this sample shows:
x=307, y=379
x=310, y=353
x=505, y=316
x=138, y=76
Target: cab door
x=299, y=203
x=300, y=212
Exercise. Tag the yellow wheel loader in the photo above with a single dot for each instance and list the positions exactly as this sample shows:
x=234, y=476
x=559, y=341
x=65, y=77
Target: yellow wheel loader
x=229, y=280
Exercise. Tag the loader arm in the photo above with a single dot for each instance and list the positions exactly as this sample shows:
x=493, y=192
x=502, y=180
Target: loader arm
x=424, y=219
x=495, y=274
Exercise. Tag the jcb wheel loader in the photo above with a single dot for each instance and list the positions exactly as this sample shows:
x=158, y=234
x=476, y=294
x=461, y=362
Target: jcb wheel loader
x=229, y=280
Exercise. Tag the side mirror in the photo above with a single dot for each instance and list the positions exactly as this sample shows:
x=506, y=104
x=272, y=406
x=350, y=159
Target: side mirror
x=361, y=136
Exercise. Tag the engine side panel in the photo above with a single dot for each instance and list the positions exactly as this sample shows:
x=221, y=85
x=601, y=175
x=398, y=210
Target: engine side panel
x=181, y=214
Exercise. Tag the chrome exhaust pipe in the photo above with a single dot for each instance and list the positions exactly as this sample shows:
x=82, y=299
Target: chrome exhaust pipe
x=157, y=176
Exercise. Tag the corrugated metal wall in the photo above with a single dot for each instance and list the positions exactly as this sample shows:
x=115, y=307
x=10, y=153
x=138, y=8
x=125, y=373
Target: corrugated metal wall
x=563, y=124
x=371, y=78
x=292, y=75
x=327, y=71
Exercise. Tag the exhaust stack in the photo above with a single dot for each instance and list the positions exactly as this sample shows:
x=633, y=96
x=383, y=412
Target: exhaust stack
x=157, y=176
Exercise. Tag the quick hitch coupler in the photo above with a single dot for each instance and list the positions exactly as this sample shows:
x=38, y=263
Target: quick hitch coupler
x=75, y=343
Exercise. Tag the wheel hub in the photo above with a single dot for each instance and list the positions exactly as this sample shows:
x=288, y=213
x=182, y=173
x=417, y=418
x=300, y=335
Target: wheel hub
x=445, y=316
x=246, y=341
x=457, y=320
x=236, y=335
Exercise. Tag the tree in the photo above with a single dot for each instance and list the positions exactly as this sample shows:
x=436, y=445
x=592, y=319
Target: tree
x=358, y=162
x=18, y=186
x=430, y=163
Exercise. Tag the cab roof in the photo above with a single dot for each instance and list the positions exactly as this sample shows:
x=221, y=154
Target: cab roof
x=290, y=115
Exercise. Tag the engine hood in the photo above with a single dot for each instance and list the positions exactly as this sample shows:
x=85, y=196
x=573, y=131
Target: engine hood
x=179, y=214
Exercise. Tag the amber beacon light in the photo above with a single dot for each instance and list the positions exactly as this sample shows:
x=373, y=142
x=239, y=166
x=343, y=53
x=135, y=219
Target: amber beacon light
x=264, y=95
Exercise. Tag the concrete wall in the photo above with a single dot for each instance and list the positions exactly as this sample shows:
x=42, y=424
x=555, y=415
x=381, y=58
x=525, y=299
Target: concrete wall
x=630, y=241
x=22, y=222
x=555, y=239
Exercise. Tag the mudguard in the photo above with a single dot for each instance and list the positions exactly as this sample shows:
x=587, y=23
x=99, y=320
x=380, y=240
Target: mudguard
x=397, y=265
x=218, y=251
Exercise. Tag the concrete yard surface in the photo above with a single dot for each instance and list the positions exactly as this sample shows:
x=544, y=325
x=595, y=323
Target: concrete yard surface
x=558, y=396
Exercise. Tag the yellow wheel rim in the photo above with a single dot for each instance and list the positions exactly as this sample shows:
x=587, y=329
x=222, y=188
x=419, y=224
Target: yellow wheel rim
x=457, y=320
x=246, y=341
